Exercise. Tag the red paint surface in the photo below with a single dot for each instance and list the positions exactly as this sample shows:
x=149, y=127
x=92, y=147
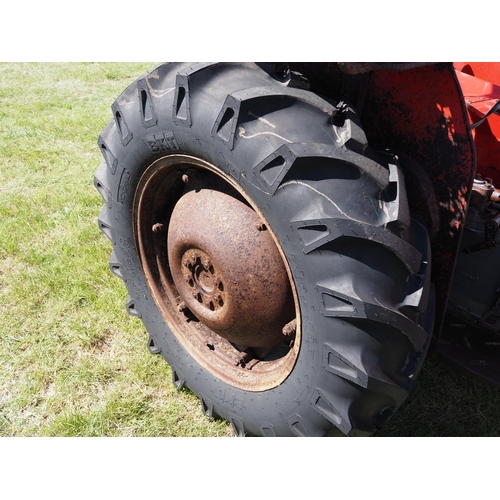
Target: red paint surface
x=480, y=83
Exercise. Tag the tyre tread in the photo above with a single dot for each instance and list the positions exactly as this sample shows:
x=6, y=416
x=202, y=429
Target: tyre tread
x=204, y=104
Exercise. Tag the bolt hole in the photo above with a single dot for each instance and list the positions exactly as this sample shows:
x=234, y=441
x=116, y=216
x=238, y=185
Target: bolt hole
x=211, y=347
x=211, y=270
x=221, y=286
x=191, y=283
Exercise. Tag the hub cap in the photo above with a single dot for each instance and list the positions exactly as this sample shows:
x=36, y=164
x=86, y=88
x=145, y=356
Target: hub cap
x=228, y=269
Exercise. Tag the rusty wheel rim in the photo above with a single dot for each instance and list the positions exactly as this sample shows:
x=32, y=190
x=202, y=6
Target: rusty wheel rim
x=216, y=272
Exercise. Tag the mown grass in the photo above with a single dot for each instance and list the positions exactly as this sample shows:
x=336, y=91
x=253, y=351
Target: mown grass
x=73, y=363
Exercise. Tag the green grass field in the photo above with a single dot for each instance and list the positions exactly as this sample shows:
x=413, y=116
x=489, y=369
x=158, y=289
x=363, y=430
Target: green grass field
x=73, y=363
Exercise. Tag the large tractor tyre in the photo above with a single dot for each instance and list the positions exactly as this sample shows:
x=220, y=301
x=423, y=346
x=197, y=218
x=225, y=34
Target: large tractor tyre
x=269, y=252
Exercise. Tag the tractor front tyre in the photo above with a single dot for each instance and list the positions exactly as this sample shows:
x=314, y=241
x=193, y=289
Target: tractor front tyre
x=269, y=252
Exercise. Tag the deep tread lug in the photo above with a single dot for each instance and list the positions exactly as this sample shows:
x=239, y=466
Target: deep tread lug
x=178, y=380
x=267, y=429
x=238, y=426
x=298, y=427
x=152, y=347
x=420, y=286
x=146, y=107
x=224, y=128
x=130, y=306
x=336, y=363
x=269, y=173
x=315, y=233
x=325, y=404
x=208, y=408
x=338, y=305
x=101, y=185
x=121, y=125
x=116, y=267
x=181, y=111
x=399, y=217
x=293, y=93
x=109, y=157
x=105, y=225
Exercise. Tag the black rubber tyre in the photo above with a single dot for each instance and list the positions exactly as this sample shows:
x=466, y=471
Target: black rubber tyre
x=358, y=262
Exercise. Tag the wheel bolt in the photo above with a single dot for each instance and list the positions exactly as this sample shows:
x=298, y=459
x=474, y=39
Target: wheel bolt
x=158, y=228
x=290, y=328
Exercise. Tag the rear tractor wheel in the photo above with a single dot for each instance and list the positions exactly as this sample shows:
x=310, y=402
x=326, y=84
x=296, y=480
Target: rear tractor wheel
x=267, y=249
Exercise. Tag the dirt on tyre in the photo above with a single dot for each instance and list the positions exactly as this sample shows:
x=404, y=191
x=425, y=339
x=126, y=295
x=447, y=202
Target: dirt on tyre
x=269, y=252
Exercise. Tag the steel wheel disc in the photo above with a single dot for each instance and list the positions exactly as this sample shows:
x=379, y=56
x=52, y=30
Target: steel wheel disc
x=216, y=273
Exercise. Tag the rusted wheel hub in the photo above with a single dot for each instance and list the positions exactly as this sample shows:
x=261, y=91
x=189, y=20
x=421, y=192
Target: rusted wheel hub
x=216, y=272
x=227, y=268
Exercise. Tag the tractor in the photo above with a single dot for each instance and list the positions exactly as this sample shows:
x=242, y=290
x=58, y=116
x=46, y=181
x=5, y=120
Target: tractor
x=297, y=237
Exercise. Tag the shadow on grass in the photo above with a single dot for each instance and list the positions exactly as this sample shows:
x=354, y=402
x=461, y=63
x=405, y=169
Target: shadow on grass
x=445, y=402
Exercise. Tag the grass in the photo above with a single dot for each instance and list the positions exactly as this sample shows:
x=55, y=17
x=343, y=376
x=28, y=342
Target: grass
x=445, y=402
x=73, y=363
